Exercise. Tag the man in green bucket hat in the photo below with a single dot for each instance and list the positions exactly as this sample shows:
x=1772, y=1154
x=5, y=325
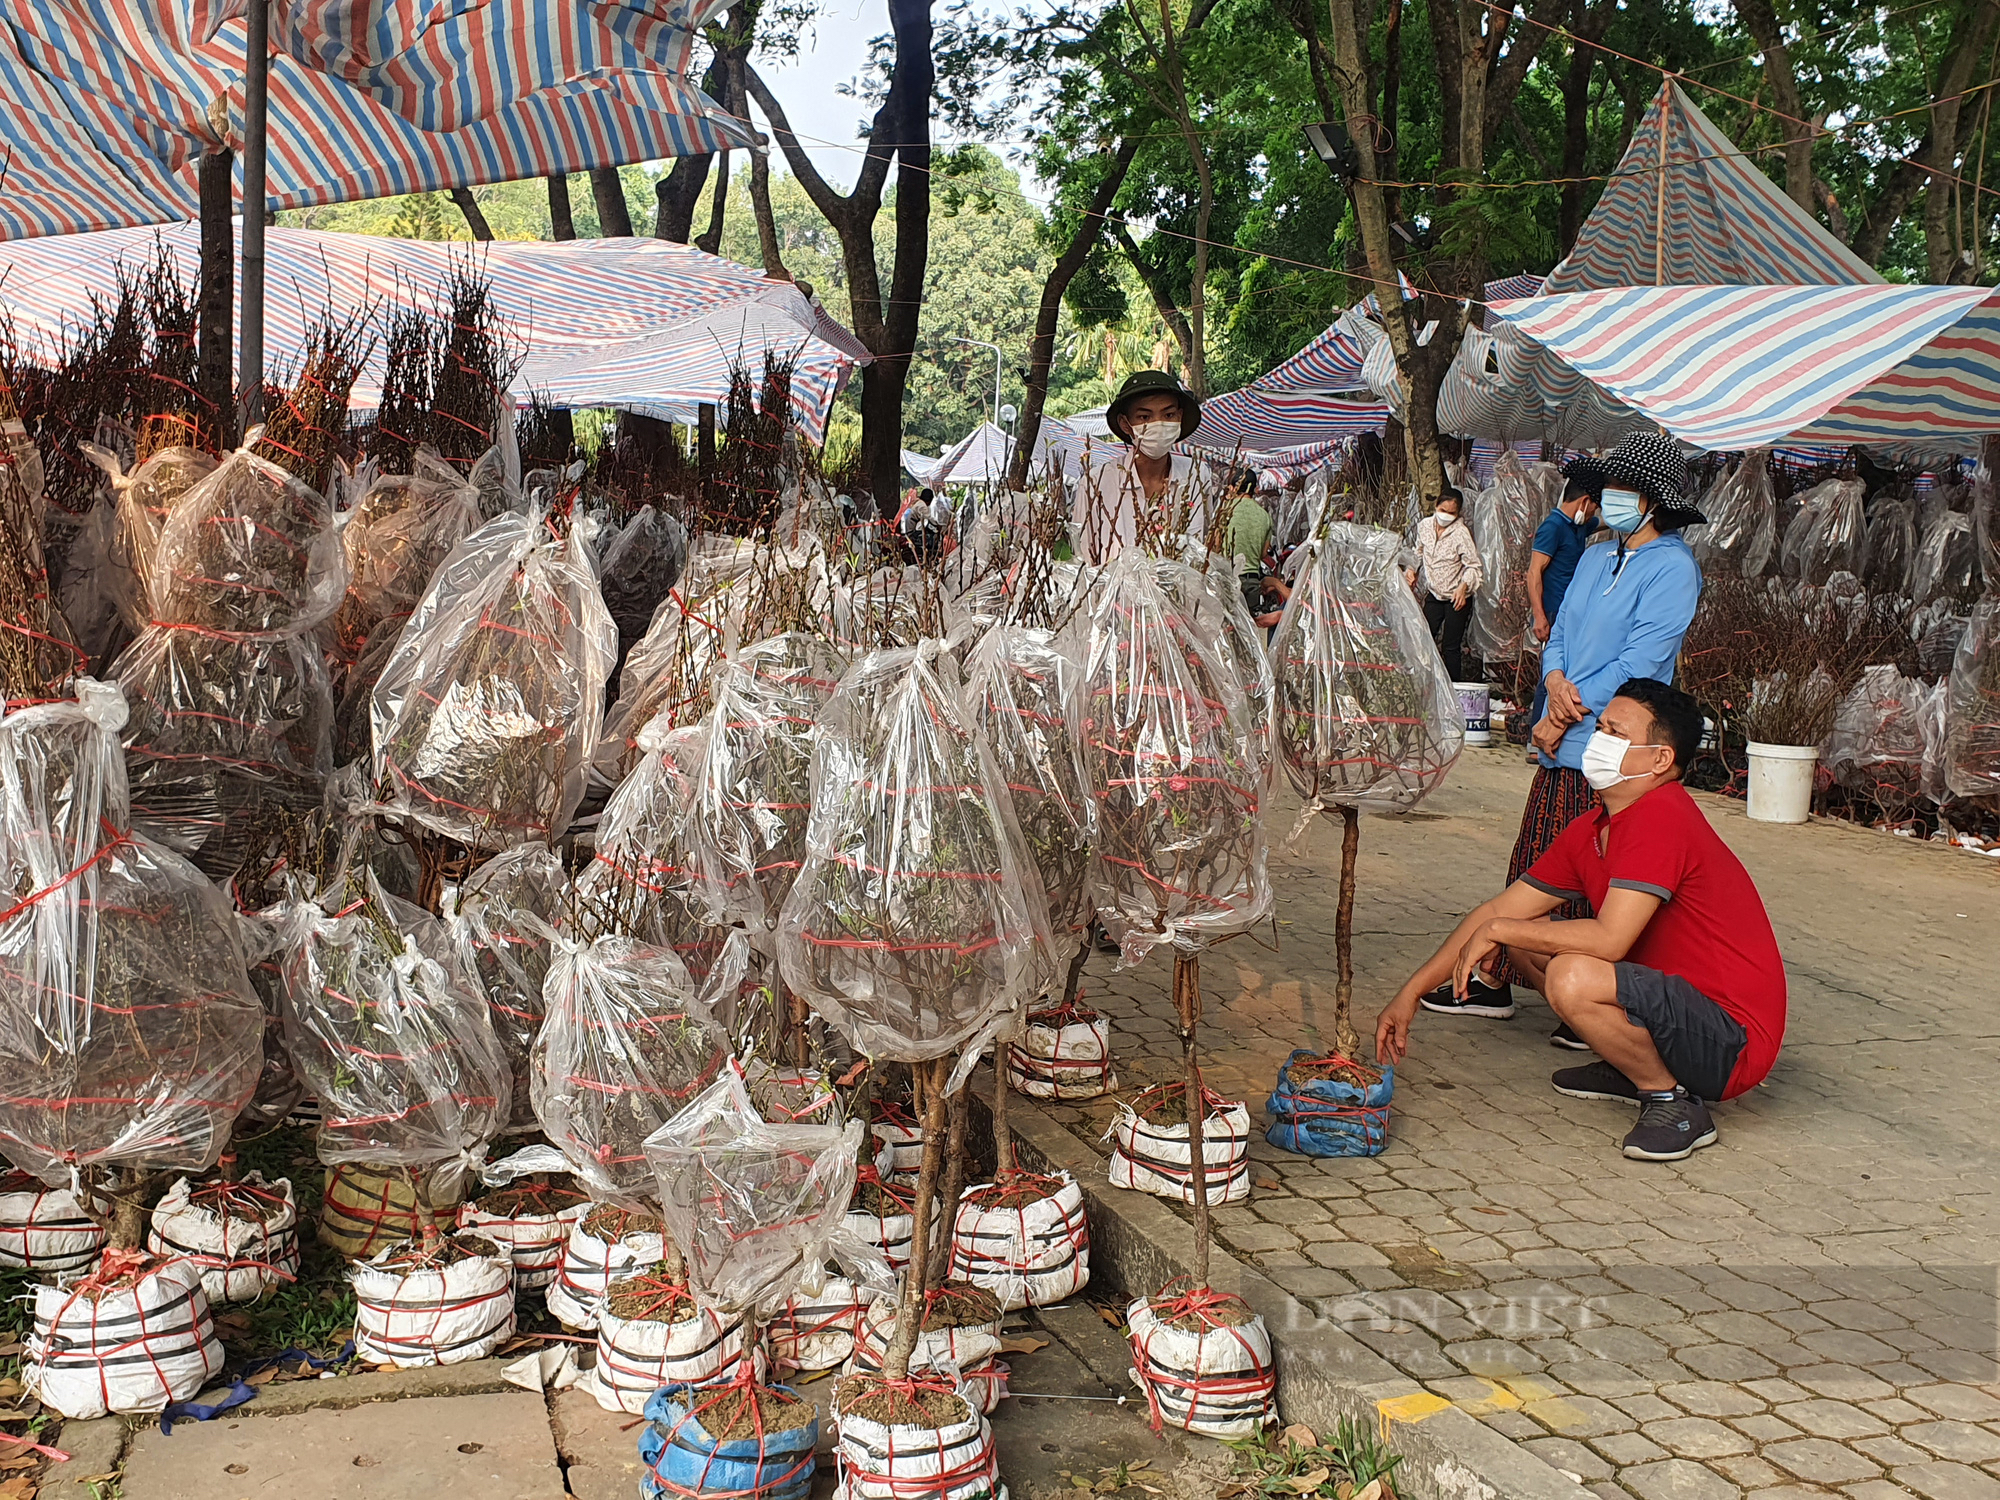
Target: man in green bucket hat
x=1142, y=475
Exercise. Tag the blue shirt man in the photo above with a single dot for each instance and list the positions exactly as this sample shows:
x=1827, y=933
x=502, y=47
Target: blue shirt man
x=1559, y=543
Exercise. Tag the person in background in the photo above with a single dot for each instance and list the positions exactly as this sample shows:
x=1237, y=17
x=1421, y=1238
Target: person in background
x=919, y=532
x=1559, y=543
x=944, y=524
x=1448, y=575
x=1247, y=543
x=1151, y=413
x=1676, y=982
x=1627, y=607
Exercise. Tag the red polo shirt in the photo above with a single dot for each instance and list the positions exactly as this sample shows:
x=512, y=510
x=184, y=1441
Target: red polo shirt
x=1711, y=928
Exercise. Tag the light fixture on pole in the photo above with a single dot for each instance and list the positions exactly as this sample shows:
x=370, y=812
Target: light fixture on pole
x=982, y=344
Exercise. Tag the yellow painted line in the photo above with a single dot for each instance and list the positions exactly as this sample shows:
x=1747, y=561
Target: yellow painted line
x=1497, y=1398
x=1415, y=1407
x=1528, y=1388
x=1558, y=1414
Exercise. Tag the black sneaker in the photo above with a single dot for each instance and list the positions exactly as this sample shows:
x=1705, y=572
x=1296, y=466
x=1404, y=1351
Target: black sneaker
x=1562, y=1036
x=1670, y=1129
x=1598, y=1080
x=1495, y=1001
x=1103, y=941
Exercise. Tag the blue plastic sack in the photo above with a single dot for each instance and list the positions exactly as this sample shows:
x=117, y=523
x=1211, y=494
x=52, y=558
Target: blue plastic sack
x=682, y=1459
x=1324, y=1117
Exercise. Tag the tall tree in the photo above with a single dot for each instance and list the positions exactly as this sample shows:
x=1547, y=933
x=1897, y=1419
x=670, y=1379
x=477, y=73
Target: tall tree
x=886, y=320
x=1760, y=19
x=607, y=191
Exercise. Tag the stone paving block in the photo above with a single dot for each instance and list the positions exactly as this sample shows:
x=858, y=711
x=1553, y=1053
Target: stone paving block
x=1777, y=1392
x=1646, y=1408
x=1513, y=1424
x=1820, y=1462
x=1959, y=1402
x=1831, y=1419
x=1956, y=1365
x=1868, y=1317
x=1696, y=1437
x=1955, y=1440
x=1493, y=1358
x=1848, y=1347
x=1290, y=1211
x=1579, y=1416
x=1563, y=1453
x=1599, y=1377
x=1842, y=1382
x=1712, y=1398
x=1729, y=1362
x=1252, y=1238
x=1625, y=1346
x=1948, y=1481
x=1747, y=1470
x=1875, y=1489
x=1342, y=1255
x=1891, y=1452
x=1628, y=1448
x=1676, y=1479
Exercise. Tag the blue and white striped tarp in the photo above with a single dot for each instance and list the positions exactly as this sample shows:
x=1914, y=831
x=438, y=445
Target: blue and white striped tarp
x=1256, y=419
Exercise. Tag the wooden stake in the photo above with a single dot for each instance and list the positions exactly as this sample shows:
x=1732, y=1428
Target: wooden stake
x=910, y=1315
x=1346, y=1041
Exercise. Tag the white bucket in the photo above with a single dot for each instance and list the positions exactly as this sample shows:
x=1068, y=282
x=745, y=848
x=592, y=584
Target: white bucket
x=1781, y=782
x=1475, y=703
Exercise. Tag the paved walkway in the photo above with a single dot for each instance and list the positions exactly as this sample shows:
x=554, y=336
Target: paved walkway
x=1807, y=1308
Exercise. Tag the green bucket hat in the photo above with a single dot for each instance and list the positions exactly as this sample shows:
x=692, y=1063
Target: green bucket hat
x=1151, y=383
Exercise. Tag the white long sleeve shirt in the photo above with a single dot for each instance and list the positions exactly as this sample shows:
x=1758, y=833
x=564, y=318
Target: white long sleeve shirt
x=1447, y=557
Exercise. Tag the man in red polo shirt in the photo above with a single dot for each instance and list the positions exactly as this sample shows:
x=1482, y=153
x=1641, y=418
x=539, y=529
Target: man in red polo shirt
x=1676, y=983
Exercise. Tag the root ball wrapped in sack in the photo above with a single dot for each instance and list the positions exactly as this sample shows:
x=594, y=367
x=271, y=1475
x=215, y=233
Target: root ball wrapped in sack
x=1366, y=715
x=243, y=1236
x=488, y=712
x=627, y=1045
x=910, y=928
x=132, y=1336
x=128, y=1030
x=1169, y=747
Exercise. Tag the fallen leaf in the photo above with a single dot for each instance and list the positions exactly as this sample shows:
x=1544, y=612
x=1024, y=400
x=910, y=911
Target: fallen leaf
x=809, y=1379
x=1022, y=1343
x=1500, y=1212
x=1144, y=1463
x=14, y=1416
x=19, y=1461
x=1108, y=1485
x=12, y=1346
x=21, y=1487
x=1077, y=1481
x=1372, y=1491
x=1268, y=1184
x=262, y=1377
x=847, y=1079
x=1950, y=1210
x=1110, y=1317
x=1306, y=1483
x=9, y=1389
x=1148, y=1488
x=1301, y=1436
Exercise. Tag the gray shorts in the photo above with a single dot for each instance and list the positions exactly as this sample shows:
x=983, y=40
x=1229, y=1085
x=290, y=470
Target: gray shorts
x=1698, y=1040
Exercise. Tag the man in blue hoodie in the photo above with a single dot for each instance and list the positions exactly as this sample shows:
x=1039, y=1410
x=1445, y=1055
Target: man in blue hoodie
x=1628, y=604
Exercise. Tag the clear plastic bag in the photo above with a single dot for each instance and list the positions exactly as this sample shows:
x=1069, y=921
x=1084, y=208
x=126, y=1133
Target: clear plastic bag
x=248, y=550
x=645, y=878
x=487, y=714
x=395, y=540
x=757, y=1209
x=279, y=1086
x=1024, y=686
x=1984, y=508
x=128, y=1030
x=1947, y=564
x=752, y=780
x=1366, y=713
x=1505, y=516
x=143, y=499
x=1972, y=706
x=400, y=1053
x=1742, y=516
x=1170, y=752
x=910, y=927
x=627, y=1044
x=640, y=565
x=1216, y=609
x=1828, y=535
x=1876, y=745
x=96, y=593
x=500, y=925
x=667, y=673
x=1892, y=546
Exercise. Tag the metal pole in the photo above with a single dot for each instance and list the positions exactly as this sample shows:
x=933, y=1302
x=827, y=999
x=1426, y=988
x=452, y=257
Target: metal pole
x=256, y=91
x=1660, y=200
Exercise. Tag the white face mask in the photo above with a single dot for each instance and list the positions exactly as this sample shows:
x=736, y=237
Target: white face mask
x=1604, y=760
x=1156, y=439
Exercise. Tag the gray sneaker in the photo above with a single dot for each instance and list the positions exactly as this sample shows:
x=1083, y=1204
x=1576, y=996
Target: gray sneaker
x=1598, y=1080
x=1670, y=1129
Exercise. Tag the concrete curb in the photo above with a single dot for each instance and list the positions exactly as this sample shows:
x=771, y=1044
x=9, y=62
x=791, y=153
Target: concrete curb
x=94, y=1447
x=1137, y=1244
x=476, y=1377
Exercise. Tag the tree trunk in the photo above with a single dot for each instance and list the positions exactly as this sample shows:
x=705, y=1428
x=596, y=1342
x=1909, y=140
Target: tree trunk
x=1420, y=384
x=1588, y=25
x=128, y=1210
x=1345, y=1040
x=710, y=238
x=475, y=220
x=677, y=195
x=916, y=72
x=768, y=244
x=1970, y=39
x=1048, y=314
x=1003, y=1139
x=910, y=1314
x=216, y=351
x=1187, y=1003
x=607, y=189
x=958, y=1111
x=1163, y=298
x=561, y=225
x=1760, y=19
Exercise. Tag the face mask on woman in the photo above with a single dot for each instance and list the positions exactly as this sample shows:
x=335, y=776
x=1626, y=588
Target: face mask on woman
x=1156, y=439
x=1623, y=511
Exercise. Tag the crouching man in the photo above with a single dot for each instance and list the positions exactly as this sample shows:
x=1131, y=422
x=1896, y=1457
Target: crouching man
x=1676, y=983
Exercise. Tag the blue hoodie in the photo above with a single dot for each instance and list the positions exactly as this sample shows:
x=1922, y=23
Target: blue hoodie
x=1620, y=621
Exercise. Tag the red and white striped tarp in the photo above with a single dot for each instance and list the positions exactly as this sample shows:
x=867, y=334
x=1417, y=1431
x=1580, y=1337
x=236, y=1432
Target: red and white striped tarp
x=1738, y=367
x=1256, y=419
x=107, y=105
x=1331, y=362
x=637, y=323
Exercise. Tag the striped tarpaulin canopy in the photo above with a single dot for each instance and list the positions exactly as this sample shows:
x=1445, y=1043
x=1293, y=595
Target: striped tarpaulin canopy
x=638, y=323
x=1256, y=419
x=1737, y=367
x=1334, y=361
x=1513, y=286
x=106, y=108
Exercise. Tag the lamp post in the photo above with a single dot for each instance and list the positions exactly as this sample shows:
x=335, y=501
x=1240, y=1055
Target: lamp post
x=982, y=344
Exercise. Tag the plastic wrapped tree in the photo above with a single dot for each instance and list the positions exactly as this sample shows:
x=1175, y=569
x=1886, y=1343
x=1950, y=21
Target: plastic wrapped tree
x=912, y=931
x=1972, y=706
x=129, y=1042
x=1504, y=517
x=1366, y=720
x=500, y=926
x=487, y=714
x=1170, y=750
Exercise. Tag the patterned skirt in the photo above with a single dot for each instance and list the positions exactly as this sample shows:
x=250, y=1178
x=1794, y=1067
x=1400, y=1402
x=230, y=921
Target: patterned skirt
x=1558, y=797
